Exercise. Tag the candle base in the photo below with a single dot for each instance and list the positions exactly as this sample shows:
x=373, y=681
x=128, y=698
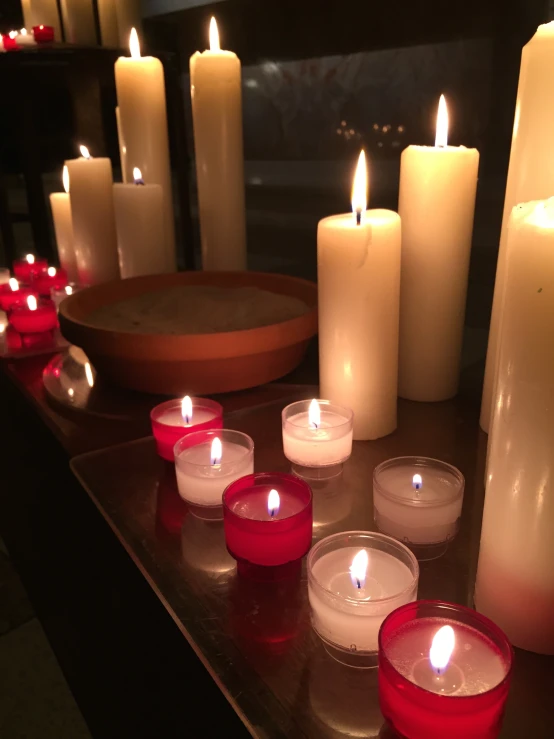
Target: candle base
x=423, y=552
x=206, y=512
x=317, y=473
x=350, y=657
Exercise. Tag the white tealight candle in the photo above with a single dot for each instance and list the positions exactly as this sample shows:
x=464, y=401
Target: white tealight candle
x=25, y=39
x=317, y=433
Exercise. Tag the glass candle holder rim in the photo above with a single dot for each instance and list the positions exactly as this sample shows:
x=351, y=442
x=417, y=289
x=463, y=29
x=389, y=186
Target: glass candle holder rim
x=394, y=543
x=175, y=404
x=458, y=492
x=258, y=475
x=470, y=613
x=185, y=443
x=346, y=413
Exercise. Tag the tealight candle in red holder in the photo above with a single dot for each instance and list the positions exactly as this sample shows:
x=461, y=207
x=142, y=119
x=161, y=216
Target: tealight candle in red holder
x=268, y=519
x=48, y=279
x=176, y=418
x=43, y=34
x=13, y=294
x=34, y=317
x=9, y=41
x=444, y=671
x=26, y=269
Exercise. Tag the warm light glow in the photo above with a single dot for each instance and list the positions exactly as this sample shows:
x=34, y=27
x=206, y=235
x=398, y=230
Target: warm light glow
x=84, y=152
x=314, y=414
x=442, y=648
x=30, y=258
x=12, y=34
x=358, y=569
x=186, y=409
x=417, y=482
x=137, y=175
x=441, y=139
x=273, y=503
x=359, y=187
x=23, y=32
x=134, y=46
x=65, y=178
x=31, y=302
x=214, y=36
x=88, y=374
x=13, y=283
x=51, y=271
x=71, y=392
x=217, y=451
x=68, y=290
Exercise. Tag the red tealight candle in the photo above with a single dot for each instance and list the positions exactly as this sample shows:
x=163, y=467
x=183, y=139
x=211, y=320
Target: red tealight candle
x=174, y=419
x=9, y=42
x=43, y=34
x=26, y=269
x=49, y=278
x=13, y=294
x=268, y=519
x=35, y=317
x=444, y=671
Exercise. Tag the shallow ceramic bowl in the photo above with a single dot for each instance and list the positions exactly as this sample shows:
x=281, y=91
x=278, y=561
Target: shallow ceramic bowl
x=193, y=363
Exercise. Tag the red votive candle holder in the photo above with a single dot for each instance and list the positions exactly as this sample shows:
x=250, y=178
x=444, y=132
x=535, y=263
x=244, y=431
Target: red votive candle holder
x=35, y=317
x=29, y=267
x=424, y=693
x=43, y=34
x=264, y=528
x=13, y=294
x=10, y=44
x=174, y=419
x=48, y=279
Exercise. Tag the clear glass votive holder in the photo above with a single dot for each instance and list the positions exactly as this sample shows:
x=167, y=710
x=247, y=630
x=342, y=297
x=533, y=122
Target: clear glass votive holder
x=418, y=500
x=169, y=425
x=326, y=446
x=347, y=611
x=464, y=697
x=58, y=294
x=201, y=479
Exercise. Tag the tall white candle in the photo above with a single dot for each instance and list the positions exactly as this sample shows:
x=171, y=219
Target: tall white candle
x=215, y=86
x=142, y=111
x=107, y=15
x=358, y=257
x=515, y=580
x=437, y=202
x=92, y=211
x=530, y=174
x=45, y=12
x=63, y=229
x=78, y=22
x=122, y=145
x=139, y=221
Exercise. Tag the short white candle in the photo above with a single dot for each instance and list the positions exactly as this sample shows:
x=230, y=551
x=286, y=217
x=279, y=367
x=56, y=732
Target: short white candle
x=317, y=433
x=63, y=228
x=348, y=601
x=24, y=38
x=417, y=500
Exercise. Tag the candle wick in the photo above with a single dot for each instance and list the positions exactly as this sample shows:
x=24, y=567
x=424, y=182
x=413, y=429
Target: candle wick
x=358, y=216
x=359, y=584
x=272, y=513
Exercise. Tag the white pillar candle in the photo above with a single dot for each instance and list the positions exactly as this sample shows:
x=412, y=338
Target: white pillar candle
x=139, y=220
x=42, y=12
x=317, y=433
x=129, y=16
x=63, y=229
x=530, y=173
x=515, y=576
x=107, y=15
x=78, y=22
x=437, y=202
x=215, y=86
x=142, y=111
x=358, y=259
x=122, y=145
x=92, y=211
x=24, y=38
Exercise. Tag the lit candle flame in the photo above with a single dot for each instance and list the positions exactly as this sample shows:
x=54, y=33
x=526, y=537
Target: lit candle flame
x=137, y=176
x=71, y=392
x=214, y=36
x=23, y=32
x=134, y=45
x=441, y=138
x=51, y=271
x=65, y=178
x=417, y=482
x=186, y=409
x=68, y=290
x=31, y=302
x=88, y=374
x=442, y=647
x=30, y=258
x=217, y=451
x=273, y=503
x=84, y=151
x=359, y=188
x=12, y=34
x=358, y=569
x=13, y=283
x=314, y=414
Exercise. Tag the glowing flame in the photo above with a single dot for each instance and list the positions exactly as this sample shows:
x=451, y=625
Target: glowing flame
x=186, y=410
x=314, y=414
x=442, y=648
x=134, y=46
x=51, y=271
x=273, y=503
x=12, y=34
x=359, y=187
x=68, y=290
x=137, y=175
x=23, y=32
x=30, y=258
x=31, y=302
x=417, y=482
x=441, y=139
x=65, y=178
x=217, y=451
x=84, y=152
x=358, y=569
x=214, y=36
x=13, y=283
x=71, y=392
x=88, y=374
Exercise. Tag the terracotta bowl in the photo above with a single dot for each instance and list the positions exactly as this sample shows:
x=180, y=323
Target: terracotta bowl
x=194, y=363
